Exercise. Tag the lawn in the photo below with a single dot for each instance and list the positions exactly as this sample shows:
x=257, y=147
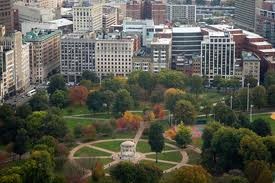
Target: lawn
x=169, y=156
x=72, y=122
x=194, y=158
x=112, y=145
x=87, y=152
x=75, y=110
x=162, y=166
x=88, y=163
x=144, y=147
x=267, y=118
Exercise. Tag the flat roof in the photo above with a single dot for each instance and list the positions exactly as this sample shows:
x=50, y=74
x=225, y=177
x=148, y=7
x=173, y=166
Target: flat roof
x=186, y=29
x=262, y=43
x=163, y=41
x=217, y=34
x=61, y=22
x=268, y=50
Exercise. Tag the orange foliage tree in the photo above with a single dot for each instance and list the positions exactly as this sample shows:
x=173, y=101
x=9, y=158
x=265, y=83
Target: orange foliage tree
x=158, y=111
x=78, y=95
x=129, y=121
x=89, y=132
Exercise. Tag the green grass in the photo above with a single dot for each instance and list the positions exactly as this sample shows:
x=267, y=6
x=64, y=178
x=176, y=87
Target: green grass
x=268, y=119
x=169, y=156
x=162, y=166
x=87, y=152
x=144, y=147
x=71, y=123
x=124, y=135
x=88, y=163
x=194, y=158
x=112, y=145
x=98, y=115
x=75, y=110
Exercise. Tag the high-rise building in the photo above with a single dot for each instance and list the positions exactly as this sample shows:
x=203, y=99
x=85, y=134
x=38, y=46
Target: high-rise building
x=251, y=66
x=87, y=18
x=134, y=9
x=77, y=55
x=245, y=13
x=181, y=13
x=6, y=15
x=161, y=54
x=158, y=12
x=218, y=55
x=13, y=41
x=110, y=17
x=114, y=56
x=44, y=53
x=186, y=41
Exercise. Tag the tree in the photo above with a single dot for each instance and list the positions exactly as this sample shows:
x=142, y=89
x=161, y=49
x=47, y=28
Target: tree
x=95, y=101
x=57, y=82
x=40, y=101
x=269, y=142
x=98, y=172
x=171, y=78
x=89, y=132
x=123, y=172
x=146, y=81
x=271, y=95
x=123, y=102
x=224, y=114
x=114, y=84
x=171, y=96
x=269, y=78
x=23, y=111
x=156, y=139
x=33, y=124
x=78, y=95
x=258, y=172
x=185, y=111
x=58, y=98
x=22, y=142
x=157, y=94
x=259, y=96
x=158, y=111
x=261, y=127
x=189, y=174
x=86, y=83
x=196, y=84
x=251, y=80
x=183, y=136
x=89, y=75
x=147, y=173
x=108, y=98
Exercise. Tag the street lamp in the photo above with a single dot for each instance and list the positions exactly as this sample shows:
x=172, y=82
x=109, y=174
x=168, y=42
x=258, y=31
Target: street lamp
x=247, y=107
x=251, y=106
x=231, y=102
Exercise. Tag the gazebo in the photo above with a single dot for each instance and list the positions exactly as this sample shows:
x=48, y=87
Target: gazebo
x=127, y=150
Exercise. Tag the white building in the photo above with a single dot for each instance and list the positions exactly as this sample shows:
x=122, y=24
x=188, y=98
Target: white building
x=110, y=17
x=218, y=55
x=114, y=56
x=181, y=13
x=87, y=18
x=77, y=55
x=161, y=54
x=44, y=3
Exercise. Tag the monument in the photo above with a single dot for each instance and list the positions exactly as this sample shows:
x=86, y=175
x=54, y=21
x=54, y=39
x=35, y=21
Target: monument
x=127, y=150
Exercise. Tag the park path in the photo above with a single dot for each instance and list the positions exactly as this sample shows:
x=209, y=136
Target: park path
x=139, y=132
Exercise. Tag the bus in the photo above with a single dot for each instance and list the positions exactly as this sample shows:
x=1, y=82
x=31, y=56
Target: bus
x=31, y=93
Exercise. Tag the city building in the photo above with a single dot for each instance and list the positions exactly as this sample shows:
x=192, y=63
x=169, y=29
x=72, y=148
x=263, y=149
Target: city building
x=161, y=54
x=77, y=55
x=114, y=56
x=87, y=18
x=158, y=12
x=188, y=65
x=186, y=41
x=110, y=17
x=43, y=3
x=64, y=25
x=142, y=63
x=218, y=55
x=6, y=15
x=181, y=13
x=134, y=9
x=245, y=13
x=44, y=53
x=13, y=41
x=265, y=21
x=7, y=73
x=251, y=66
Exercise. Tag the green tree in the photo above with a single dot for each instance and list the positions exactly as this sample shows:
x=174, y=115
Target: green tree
x=251, y=80
x=12, y=178
x=89, y=75
x=196, y=84
x=114, y=84
x=171, y=78
x=123, y=172
x=108, y=98
x=258, y=172
x=269, y=142
x=40, y=101
x=189, y=174
x=271, y=95
x=95, y=101
x=261, y=127
x=224, y=114
x=156, y=139
x=23, y=111
x=123, y=102
x=185, y=111
x=58, y=98
x=269, y=78
x=86, y=83
x=183, y=136
x=147, y=173
x=22, y=142
x=33, y=124
x=259, y=96
x=57, y=82
x=171, y=96
x=147, y=81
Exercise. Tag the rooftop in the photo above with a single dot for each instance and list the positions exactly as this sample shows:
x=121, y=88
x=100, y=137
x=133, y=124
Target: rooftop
x=61, y=22
x=263, y=43
x=37, y=35
x=249, y=56
x=186, y=30
x=163, y=41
